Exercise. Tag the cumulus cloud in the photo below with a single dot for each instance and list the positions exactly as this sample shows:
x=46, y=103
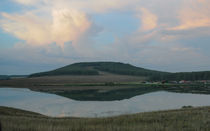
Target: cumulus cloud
x=148, y=19
x=66, y=25
x=160, y=40
x=194, y=14
x=28, y=27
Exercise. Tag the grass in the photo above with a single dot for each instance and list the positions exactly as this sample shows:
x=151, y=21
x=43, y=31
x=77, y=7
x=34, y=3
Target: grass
x=188, y=119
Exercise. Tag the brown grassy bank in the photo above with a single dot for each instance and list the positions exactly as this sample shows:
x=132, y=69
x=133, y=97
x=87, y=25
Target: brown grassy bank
x=192, y=119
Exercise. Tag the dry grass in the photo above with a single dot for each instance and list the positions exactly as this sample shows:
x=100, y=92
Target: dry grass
x=193, y=119
x=64, y=80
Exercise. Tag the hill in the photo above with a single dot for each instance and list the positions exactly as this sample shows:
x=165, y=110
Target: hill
x=95, y=68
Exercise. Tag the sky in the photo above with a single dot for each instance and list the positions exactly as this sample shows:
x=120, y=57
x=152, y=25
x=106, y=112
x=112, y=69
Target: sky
x=165, y=35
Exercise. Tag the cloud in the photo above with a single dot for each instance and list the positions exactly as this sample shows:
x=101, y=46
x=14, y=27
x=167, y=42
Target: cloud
x=27, y=2
x=148, y=20
x=160, y=42
x=65, y=25
x=68, y=25
x=194, y=14
x=149, y=51
x=85, y=5
x=169, y=56
x=28, y=27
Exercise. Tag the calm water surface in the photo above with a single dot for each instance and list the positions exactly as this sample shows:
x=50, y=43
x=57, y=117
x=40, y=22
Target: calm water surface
x=53, y=105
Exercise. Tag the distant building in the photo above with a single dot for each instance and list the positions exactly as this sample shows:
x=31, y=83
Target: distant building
x=182, y=82
x=173, y=82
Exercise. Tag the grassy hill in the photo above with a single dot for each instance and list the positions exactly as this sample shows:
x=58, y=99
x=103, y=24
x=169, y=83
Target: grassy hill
x=73, y=69
x=188, y=119
x=95, y=68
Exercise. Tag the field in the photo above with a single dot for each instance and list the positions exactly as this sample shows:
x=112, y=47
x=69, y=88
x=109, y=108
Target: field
x=57, y=81
x=188, y=119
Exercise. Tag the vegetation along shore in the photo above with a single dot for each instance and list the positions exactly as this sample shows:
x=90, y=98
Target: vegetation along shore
x=186, y=119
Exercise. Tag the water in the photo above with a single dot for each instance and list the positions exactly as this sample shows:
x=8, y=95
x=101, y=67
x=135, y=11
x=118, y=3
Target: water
x=53, y=105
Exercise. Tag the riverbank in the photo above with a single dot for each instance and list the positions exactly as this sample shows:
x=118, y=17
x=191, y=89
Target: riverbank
x=106, y=87
x=183, y=119
x=114, y=91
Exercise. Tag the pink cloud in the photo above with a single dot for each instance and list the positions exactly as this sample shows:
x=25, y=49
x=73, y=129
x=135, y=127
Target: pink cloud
x=65, y=25
x=194, y=14
x=68, y=25
x=148, y=19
